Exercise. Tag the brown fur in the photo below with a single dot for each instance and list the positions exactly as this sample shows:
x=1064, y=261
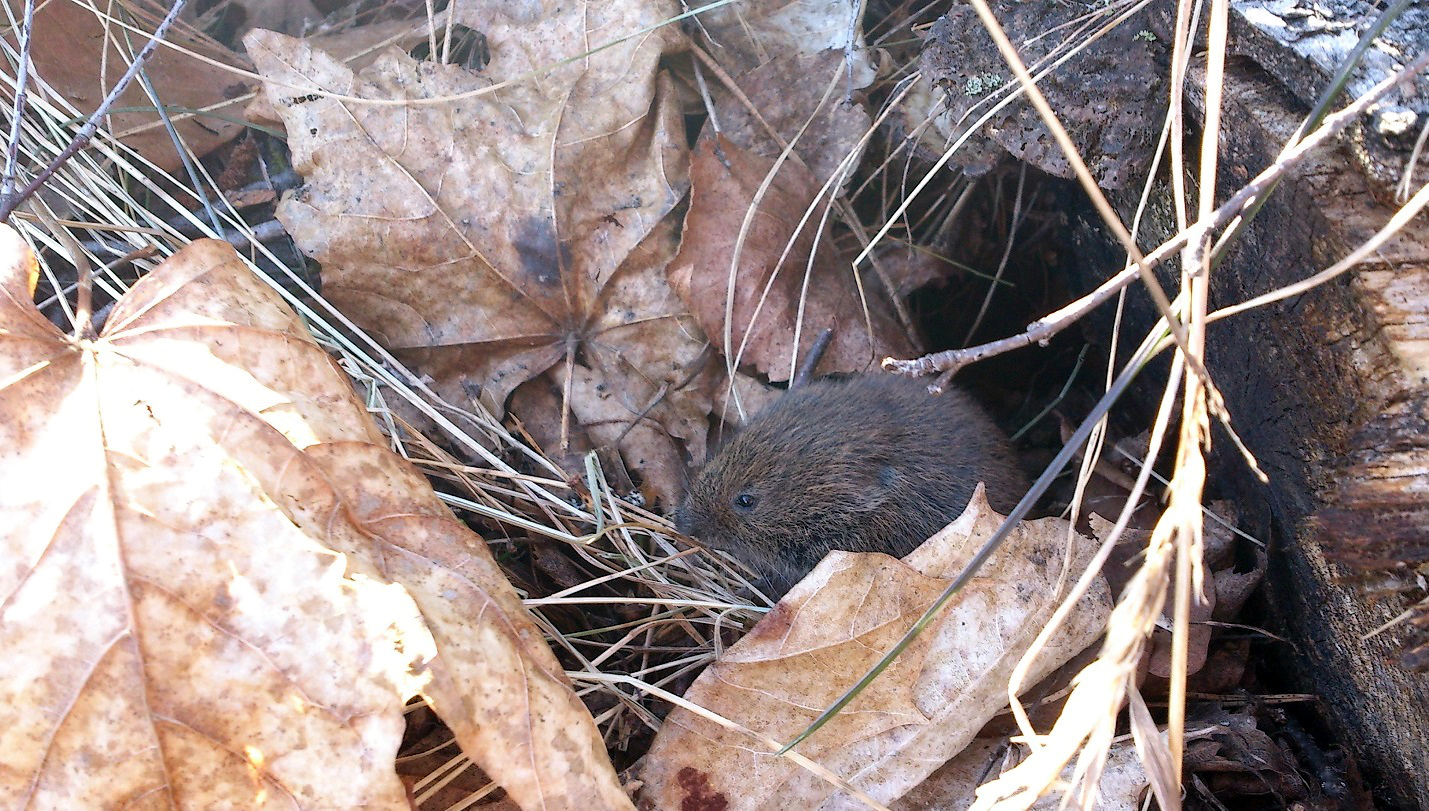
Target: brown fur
x=870, y=464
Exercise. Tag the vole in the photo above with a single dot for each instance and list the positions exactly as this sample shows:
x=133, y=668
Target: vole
x=872, y=463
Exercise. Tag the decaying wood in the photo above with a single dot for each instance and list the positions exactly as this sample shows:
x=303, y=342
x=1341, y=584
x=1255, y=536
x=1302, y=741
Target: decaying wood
x=1330, y=390
x=1303, y=45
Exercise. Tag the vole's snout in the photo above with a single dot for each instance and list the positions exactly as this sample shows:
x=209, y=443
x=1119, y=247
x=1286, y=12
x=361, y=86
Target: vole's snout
x=685, y=518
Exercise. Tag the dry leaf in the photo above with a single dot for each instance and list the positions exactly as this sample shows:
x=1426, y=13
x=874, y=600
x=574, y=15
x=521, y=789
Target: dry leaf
x=1124, y=562
x=1225, y=582
x=951, y=787
x=630, y=393
x=223, y=587
x=756, y=32
x=952, y=784
x=1233, y=587
x=493, y=237
x=1240, y=759
x=77, y=53
x=831, y=628
x=359, y=46
x=724, y=181
x=789, y=96
x=797, y=65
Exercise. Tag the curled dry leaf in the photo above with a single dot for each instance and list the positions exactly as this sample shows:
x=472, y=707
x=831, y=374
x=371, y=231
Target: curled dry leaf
x=775, y=296
x=491, y=237
x=832, y=627
x=1227, y=583
x=79, y=54
x=1124, y=562
x=1233, y=755
x=222, y=588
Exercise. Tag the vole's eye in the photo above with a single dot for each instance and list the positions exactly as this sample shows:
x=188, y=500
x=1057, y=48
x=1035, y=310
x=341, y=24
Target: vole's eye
x=744, y=502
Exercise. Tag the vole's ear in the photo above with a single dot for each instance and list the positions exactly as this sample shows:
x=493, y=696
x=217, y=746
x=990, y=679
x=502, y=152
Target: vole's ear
x=889, y=477
x=878, y=489
x=720, y=436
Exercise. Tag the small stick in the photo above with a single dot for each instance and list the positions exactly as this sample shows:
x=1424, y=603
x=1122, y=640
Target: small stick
x=82, y=138
x=811, y=360
x=22, y=78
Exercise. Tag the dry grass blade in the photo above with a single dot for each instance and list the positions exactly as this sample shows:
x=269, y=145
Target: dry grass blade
x=1154, y=752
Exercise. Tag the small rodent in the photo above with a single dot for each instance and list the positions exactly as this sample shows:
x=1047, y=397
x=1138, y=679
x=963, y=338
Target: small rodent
x=872, y=463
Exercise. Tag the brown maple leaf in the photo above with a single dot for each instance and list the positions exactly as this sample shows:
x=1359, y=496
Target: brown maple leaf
x=490, y=237
x=776, y=292
x=221, y=588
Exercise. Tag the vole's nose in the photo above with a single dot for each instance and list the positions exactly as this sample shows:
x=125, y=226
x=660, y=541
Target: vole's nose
x=685, y=519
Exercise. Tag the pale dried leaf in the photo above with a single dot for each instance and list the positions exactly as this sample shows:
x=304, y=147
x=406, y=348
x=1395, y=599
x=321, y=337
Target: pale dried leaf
x=359, y=46
x=1154, y=751
x=798, y=65
x=831, y=628
x=788, y=95
x=491, y=238
x=724, y=180
x=951, y=787
x=753, y=33
x=1121, y=788
x=224, y=587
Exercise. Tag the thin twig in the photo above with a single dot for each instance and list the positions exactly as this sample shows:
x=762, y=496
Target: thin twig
x=1397, y=222
x=22, y=78
x=1079, y=167
x=811, y=360
x=1045, y=328
x=10, y=201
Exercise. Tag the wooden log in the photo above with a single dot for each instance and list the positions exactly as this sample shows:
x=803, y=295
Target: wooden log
x=1330, y=391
